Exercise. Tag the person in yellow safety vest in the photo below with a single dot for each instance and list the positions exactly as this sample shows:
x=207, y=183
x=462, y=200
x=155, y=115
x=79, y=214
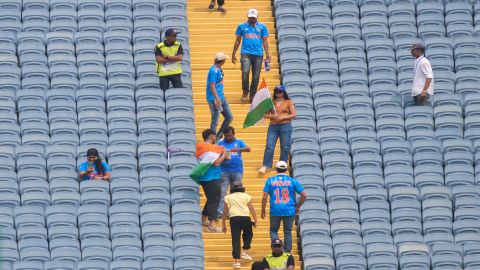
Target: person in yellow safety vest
x=169, y=54
x=278, y=259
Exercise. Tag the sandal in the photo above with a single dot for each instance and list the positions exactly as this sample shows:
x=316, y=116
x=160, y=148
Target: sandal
x=213, y=229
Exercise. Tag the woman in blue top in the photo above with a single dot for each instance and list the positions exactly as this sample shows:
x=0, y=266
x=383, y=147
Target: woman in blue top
x=94, y=168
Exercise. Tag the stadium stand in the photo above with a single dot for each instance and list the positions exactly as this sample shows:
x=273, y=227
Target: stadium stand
x=390, y=185
x=391, y=172
x=77, y=74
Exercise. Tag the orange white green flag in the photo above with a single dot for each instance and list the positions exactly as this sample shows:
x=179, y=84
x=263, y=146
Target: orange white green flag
x=206, y=155
x=261, y=104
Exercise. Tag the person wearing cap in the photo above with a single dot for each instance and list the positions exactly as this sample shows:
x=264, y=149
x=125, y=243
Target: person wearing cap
x=232, y=167
x=281, y=189
x=238, y=206
x=278, y=259
x=169, y=54
x=216, y=100
x=220, y=8
x=254, y=38
x=422, y=87
x=280, y=127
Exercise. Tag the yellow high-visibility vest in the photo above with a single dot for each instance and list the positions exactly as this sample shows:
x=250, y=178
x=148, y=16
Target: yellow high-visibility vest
x=169, y=68
x=277, y=263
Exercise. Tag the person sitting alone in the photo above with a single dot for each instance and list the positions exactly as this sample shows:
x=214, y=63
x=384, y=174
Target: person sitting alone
x=94, y=168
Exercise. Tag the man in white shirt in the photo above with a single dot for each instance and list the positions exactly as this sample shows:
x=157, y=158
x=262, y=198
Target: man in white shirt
x=422, y=86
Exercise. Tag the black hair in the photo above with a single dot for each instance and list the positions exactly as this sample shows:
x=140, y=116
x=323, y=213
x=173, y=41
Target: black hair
x=237, y=188
x=281, y=170
x=285, y=95
x=258, y=265
x=207, y=133
x=229, y=129
x=219, y=61
x=98, y=161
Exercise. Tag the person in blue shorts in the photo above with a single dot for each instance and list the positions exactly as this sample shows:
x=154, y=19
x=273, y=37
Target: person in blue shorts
x=216, y=100
x=232, y=167
x=281, y=189
x=254, y=38
x=94, y=168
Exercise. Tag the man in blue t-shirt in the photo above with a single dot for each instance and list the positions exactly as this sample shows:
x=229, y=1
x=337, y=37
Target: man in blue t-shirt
x=282, y=189
x=216, y=100
x=254, y=38
x=232, y=167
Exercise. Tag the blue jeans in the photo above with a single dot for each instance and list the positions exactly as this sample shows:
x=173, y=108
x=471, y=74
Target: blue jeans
x=275, y=131
x=287, y=230
x=227, y=115
x=254, y=62
x=227, y=179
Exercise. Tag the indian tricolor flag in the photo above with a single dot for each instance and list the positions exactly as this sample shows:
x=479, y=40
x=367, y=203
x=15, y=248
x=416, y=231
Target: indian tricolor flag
x=261, y=104
x=207, y=154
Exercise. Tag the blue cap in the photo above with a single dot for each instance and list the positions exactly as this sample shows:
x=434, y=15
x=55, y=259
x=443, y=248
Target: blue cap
x=171, y=32
x=280, y=88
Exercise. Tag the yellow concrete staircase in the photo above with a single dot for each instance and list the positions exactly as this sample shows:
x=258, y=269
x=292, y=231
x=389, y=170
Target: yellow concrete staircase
x=211, y=32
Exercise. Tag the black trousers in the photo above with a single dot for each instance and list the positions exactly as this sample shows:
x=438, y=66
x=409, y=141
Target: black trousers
x=219, y=2
x=213, y=192
x=237, y=225
x=176, y=81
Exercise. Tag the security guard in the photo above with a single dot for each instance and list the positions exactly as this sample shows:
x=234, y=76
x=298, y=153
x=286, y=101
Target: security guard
x=278, y=259
x=169, y=54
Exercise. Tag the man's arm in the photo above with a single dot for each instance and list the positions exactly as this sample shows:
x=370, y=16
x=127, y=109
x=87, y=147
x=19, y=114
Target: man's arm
x=428, y=81
x=243, y=148
x=224, y=217
x=175, y=58
x=220, y=160
x=264, y=204
x=265, y=47
x=303, y=197
x=252, y=211
x=235, y=48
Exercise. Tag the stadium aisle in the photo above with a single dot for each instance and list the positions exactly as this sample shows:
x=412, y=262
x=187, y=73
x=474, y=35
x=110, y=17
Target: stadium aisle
x=211, y=32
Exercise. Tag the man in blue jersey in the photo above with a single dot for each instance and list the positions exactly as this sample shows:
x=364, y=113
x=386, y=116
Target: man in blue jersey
x=254, y=38
x=282, y=189
x=215, y=96
x=232, y=167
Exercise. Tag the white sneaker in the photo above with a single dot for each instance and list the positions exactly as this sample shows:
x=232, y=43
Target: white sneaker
x=245, y=256
x=236, y=265
x=262, y=170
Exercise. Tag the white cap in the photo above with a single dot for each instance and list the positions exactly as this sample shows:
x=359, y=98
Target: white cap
x=220, y=56
x=252, y=13
x=281, y=165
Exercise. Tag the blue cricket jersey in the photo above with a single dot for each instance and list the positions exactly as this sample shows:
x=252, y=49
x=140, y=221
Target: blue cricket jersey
x=252, y=37
x=282, y=189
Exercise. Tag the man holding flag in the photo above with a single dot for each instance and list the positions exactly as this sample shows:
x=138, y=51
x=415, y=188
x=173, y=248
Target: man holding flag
x=208, y=174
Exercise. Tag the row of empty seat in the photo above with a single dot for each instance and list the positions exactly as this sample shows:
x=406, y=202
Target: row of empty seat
x=391, y=186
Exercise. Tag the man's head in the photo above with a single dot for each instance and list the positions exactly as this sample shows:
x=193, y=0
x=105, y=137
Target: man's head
x=229, y=134
x=220, y=58
x=171, y=35
x=417, y=50
x=277, y=247
x=281, y=166
x=209, y=135
x=252, y=16
x=258, y=266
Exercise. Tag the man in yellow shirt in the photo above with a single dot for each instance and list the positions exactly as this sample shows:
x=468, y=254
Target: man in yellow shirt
x=278, y=259
x=169, y=54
